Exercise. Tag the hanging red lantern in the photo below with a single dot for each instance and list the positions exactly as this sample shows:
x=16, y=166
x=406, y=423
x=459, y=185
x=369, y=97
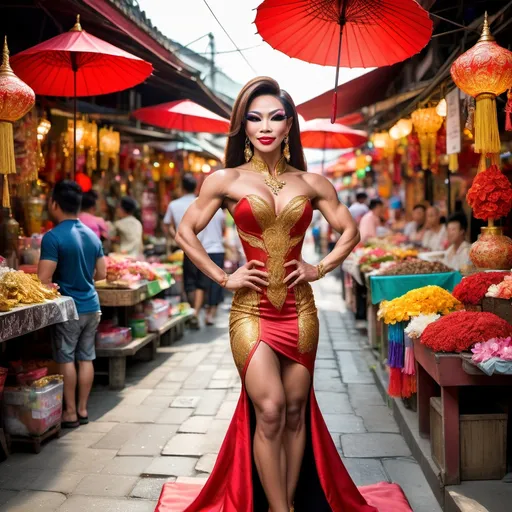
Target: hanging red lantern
x=84, y=181
x=484, y=72
x=16, y=99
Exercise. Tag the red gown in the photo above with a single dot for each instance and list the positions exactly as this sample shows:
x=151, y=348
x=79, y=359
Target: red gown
x=287, y=321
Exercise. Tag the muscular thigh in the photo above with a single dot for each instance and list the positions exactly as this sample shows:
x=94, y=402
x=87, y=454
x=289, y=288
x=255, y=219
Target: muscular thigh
x=296, y=383
x=263, y=379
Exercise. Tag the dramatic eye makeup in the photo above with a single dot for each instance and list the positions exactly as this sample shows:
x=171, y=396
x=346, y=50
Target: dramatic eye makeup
x=275, y=115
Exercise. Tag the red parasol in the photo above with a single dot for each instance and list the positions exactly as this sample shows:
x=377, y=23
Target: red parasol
x=183, y=115
x=348, y=33
x=78, y=64
x=321, y=134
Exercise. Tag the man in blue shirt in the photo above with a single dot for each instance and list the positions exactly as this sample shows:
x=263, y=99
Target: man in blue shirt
x=72, y=257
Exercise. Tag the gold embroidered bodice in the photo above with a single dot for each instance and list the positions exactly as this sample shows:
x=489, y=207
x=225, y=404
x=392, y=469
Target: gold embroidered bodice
x=275, y=235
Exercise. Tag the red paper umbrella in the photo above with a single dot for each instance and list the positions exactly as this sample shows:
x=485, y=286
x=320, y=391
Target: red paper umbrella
x=321, y=134
x=348, y=33
x=183, y=115
x=78, y=64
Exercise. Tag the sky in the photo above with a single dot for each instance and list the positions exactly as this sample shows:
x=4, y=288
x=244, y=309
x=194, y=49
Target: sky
x=187, y=20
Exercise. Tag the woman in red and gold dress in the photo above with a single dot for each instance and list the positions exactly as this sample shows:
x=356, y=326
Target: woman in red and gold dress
x=278, y=454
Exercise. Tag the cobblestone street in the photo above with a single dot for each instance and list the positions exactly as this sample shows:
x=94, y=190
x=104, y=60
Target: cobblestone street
x=169, y=422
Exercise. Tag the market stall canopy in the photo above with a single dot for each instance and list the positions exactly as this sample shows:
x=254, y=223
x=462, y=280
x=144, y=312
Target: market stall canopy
x=321, y=134
x=183, y=115
x=348, y=33
x=50, y=68
x=354, y=95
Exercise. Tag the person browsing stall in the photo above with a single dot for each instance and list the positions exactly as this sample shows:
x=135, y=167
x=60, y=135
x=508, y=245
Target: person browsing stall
x=371, y=221
x=72, y=257
x=415, y=229
x=129, y=228
x=434, y=238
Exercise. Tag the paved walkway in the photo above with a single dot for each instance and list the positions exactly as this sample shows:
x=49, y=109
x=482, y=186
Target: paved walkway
x=170, y=420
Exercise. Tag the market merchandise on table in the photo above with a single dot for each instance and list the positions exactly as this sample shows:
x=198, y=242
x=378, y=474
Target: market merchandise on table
x=473, y=288
x=18, y=289
x=125, y=271
x=33, y=410
x=108, y=335
x=414, y=267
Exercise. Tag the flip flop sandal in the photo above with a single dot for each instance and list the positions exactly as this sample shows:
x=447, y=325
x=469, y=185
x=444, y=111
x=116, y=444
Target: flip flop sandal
x=70, y=424
x=83, y=420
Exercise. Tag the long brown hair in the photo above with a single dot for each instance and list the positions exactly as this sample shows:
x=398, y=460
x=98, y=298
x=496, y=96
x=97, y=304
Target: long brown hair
x=234, y=155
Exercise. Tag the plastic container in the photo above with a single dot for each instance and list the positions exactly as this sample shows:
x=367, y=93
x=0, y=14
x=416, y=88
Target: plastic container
x=157, y=313
x=139, y=327
x=113, y=337
x=31, y=411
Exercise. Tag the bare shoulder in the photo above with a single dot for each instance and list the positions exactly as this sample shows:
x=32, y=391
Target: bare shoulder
x=320, y=184
x=220, y=180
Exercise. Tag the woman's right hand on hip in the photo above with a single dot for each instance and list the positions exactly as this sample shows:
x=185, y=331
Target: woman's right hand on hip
x=248, y=276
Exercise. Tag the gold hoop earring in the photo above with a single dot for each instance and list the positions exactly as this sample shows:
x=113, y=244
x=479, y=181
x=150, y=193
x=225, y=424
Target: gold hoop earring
x=286, y=150
x=247, y=150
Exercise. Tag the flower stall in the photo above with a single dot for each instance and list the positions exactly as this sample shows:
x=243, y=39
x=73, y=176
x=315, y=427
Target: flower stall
x=455, y=351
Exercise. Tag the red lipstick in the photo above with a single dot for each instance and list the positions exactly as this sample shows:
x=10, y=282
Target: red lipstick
x=267, y=140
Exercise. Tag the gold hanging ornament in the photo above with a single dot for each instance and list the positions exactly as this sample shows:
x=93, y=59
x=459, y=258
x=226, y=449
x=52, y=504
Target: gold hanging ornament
x=427, y=122
x=16, y=99
x=484, y=72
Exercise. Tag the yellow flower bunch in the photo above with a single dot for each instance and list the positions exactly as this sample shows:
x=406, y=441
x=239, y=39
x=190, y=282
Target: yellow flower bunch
x=428, y=300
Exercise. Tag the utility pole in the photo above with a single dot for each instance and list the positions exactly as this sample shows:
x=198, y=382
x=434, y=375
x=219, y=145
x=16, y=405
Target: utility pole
x=212, y=60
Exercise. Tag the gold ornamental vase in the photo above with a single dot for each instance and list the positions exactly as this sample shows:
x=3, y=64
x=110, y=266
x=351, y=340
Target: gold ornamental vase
x=492, y=250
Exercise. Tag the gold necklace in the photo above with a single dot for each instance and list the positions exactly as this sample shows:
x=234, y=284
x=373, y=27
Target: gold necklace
x=271, y=181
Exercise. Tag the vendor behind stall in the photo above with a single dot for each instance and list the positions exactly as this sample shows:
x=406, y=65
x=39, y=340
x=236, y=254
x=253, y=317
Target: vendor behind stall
x=435, y=238
x=72, y=256
x=415, y=229
x=457, y=255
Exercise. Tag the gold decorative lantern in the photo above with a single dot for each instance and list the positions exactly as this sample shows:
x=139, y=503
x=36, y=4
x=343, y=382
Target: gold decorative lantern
x=16, y=99
x=110, y=146
x=401, y=129
x=484, y=72
x=442, y=108
x=427, y=123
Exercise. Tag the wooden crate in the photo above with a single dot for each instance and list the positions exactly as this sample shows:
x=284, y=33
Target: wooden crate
x=500, y=307
x=483, y=443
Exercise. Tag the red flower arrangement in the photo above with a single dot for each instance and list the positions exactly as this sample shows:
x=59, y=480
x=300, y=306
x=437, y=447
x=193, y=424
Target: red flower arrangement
x=490, y=195
x=457, y=331
x=472, y=289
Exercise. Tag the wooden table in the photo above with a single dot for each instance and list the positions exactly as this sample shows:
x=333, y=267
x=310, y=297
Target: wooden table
x=448, y=372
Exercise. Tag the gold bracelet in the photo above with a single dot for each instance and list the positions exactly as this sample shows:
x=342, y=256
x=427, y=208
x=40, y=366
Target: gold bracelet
x=321, y=270
x=224, y=281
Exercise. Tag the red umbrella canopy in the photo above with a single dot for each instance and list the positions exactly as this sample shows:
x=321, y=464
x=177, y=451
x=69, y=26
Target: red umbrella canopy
x=321, y=134
x=375, y=32
x=101, y=68
x=183, y=115
x=347, y=33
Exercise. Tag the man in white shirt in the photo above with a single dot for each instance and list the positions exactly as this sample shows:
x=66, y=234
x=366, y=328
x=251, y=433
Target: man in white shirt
x=457, y=255
x=359, y=208
x=196, y=285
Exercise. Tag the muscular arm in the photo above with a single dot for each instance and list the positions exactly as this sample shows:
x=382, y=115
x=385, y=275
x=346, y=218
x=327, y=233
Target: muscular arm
x=196, y=218
x=339, y=218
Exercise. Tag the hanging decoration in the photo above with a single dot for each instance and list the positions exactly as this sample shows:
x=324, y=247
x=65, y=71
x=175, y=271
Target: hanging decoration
x=16, y=99
x=42, y=131
x=110, y=147
x=442, y=108
x=484, y=72
x=427, y=122
x=401, y=129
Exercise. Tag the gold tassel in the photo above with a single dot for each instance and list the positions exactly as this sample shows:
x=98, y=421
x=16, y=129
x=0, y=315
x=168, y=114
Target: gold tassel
x=6, y=198
x=487, y=136
x=424, y=149
x=453, y=162
x=7, y=161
